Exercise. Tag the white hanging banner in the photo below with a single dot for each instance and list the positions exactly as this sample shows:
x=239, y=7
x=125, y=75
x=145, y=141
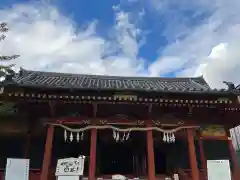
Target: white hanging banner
x=17, y=169
x=218, y=170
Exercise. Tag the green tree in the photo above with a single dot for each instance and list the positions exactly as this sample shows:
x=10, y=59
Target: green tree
x=6, y=108
x=5, y=69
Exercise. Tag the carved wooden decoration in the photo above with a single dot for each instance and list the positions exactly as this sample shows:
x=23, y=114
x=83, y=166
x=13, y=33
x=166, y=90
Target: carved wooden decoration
x=103, y=121
x=140, y=122
x=86, y=121
x=180, y=123
x=213, y=130
x=156, y=122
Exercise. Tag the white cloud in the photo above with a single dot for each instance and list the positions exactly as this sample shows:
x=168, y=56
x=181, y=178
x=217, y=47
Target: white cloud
x=46, y=40
x=211, y=48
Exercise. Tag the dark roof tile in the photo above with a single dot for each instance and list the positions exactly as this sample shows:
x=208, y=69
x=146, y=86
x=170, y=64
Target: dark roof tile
x=80, y=81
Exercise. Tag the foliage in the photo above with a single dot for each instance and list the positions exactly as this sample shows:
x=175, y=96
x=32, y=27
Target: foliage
x=6, y=108
x=5, y=68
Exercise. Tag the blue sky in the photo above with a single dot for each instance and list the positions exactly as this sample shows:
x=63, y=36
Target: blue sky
x=128, y=38
x=83, y=12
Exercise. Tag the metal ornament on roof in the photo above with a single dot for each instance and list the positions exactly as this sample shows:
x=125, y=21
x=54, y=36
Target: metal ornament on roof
x=169, y=137
x=73, y=136
x=118, y=138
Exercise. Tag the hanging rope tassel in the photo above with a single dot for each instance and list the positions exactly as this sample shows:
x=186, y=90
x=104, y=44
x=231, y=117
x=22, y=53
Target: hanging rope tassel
x=173, y=138
x=82, y=135
x=71, y=136
x=117, y=137
x=170, y=138
x=164, y=137
x=65, y=135
x=78, y=138
x=114, y=134
x=124, y=136
x=167, y=137
x=128, y=134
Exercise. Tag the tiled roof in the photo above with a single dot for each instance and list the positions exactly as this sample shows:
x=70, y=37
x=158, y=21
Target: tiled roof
x=80, y=81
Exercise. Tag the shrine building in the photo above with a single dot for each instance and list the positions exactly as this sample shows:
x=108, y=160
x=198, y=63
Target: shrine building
x=139, y=127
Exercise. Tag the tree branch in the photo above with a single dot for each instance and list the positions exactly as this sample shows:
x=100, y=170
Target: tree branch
x=3, y=27
x=7, y=58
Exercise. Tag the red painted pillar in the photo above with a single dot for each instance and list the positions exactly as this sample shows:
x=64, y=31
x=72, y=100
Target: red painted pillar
x=47, y=153
x=192, y=155
x=93, y=148
x=150, y=156
x=233, y=153
x=202, y=156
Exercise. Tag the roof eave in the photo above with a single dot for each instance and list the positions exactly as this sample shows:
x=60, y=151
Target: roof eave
x=207, y=92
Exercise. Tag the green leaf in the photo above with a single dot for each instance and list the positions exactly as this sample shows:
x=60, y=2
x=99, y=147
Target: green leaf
x=7, y=109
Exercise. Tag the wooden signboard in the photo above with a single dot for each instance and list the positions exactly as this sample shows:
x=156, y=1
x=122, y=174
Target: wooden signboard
x=213, y=130
x=70, y=168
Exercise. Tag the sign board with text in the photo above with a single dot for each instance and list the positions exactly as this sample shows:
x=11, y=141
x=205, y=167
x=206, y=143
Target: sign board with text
x=218, y=170
x=17, y=169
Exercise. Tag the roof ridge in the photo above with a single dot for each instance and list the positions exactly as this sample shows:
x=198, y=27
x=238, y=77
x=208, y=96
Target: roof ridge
x=200, y=85
x=111, y=76
x=105, y=82
x=21, y=76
